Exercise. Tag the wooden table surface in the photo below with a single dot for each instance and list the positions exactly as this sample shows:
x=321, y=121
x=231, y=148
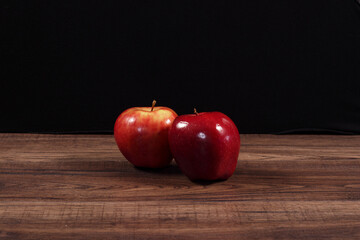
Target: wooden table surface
x=81, y=187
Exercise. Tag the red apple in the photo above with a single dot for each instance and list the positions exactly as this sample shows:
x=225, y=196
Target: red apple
x=141, y=134
x=205, y=145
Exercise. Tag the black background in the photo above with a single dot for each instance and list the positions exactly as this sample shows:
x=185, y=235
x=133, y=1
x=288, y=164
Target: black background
x=272, y=66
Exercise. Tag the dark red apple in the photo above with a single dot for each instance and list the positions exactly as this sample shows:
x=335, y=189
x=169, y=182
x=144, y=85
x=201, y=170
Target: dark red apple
x=141, y=134
x=205, y=145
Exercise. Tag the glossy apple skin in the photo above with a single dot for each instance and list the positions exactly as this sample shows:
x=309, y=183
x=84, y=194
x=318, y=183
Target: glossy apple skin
x=142, y=135
x=205, y=146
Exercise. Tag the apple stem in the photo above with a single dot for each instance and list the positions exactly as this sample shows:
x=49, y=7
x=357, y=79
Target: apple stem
x=196, y=111
x=153, y=105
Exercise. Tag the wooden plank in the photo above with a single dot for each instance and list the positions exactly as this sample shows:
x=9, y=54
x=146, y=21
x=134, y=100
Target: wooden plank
x=81, y=187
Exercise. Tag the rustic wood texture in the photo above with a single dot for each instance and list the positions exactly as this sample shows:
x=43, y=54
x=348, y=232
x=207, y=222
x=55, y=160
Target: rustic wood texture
x=81, y=187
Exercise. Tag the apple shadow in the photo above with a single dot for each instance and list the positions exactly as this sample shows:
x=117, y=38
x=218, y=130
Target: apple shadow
x=174, y=169
x=250, y=173
x=168, y=170
x=207, y=182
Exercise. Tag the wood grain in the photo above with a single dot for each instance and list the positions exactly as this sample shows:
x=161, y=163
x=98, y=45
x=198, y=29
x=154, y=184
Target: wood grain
x=81, y=187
